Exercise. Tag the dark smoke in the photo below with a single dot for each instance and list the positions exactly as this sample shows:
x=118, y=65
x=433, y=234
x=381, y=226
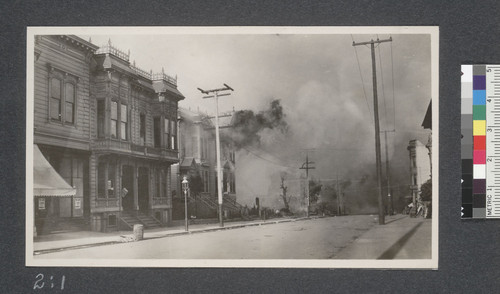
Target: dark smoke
x=247, y=125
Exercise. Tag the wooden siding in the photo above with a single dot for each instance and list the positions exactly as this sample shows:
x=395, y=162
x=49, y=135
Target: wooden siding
x=67, y=59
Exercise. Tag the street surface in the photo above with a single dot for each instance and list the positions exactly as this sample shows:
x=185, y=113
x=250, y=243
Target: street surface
x=308, y=239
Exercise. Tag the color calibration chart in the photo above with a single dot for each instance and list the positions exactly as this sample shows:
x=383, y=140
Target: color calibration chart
x=480, y=141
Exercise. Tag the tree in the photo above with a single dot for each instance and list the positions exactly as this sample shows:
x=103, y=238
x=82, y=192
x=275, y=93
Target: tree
x=284, y=189
x=426, y=191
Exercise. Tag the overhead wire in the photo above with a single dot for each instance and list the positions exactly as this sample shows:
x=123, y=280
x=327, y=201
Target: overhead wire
x=261, y=150
x=393, y=95
x=382, y=82
x=265, y=159
x=362, y=81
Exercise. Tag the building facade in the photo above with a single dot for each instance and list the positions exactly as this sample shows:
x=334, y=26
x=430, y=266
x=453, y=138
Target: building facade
x=109, y=129
x=197, y=161
x=420, y=168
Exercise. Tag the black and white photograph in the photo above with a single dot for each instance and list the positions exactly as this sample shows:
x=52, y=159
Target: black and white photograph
x=293, y=147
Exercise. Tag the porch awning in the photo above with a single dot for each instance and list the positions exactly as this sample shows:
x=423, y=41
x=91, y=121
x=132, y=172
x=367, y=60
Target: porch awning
x=46, y=181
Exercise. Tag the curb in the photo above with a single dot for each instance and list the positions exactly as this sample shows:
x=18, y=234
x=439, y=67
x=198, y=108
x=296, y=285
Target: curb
x=59, y=249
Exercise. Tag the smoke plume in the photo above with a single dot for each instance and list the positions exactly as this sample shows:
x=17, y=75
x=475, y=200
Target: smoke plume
x=248, y=126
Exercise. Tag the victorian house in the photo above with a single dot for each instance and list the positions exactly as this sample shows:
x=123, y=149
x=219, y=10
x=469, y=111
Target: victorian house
x=109, y=129
x=198, y=163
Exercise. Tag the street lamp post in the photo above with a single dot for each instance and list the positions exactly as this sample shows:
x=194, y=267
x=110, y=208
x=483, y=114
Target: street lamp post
x=185, y=187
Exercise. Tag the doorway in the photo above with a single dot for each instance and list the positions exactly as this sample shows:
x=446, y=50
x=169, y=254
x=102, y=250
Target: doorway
x=143, y=188
x=128, y=184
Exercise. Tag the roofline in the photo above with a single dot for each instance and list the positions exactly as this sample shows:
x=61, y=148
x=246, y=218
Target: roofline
x=86, y=43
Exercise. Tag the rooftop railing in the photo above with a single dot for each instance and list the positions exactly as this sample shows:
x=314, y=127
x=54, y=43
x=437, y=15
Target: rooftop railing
x=141, y=72
x=110, y=49
x=165, y=77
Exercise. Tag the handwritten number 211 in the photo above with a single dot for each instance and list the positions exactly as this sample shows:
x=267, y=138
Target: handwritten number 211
x=40, y=284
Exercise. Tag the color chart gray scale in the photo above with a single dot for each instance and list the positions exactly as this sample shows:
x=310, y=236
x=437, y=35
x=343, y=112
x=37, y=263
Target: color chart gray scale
x=480, y=141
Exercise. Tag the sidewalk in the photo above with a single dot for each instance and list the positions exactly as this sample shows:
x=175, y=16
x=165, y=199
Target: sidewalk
x=401, y=237
x=73, y=240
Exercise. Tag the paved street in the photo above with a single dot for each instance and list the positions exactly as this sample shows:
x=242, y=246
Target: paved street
x=307, y=239
x=346, y=237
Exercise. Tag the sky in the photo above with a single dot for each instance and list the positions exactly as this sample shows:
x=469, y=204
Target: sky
x=325, y=87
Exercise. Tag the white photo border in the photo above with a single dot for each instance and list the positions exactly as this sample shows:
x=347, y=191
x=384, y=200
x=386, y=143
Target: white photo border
x=431, y=263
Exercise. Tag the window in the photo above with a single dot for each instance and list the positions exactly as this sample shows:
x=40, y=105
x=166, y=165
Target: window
x=123, y=120
x=62, y=103
x=157, y=132
x=114, y=119
x=173, y=132
x=142, y=131
x=100, y=118
x=69, y=116
x=111, y=181
x=55, y=99
x=167, y=133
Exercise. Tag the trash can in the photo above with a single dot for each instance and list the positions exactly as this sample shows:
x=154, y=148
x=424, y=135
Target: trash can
x=138, y=232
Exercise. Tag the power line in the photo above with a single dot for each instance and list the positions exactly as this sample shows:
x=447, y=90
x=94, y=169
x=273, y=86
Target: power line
x=382, y=81
x=265, y=159
x=393, y=99
x=268, y=153
x=361, y=75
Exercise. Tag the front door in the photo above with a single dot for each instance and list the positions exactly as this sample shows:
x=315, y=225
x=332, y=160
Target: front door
x=143, y=185
x=128, y=184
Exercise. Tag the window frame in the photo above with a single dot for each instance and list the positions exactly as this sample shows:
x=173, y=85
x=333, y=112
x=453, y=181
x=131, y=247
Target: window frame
x=113, y=128
x=166, y=133
x=64, y=79
x=124, y=130
x=51, y=98
x=142, y=128
x=157, y=138
x=173, y=134
x=101, y=118
x=73, y=104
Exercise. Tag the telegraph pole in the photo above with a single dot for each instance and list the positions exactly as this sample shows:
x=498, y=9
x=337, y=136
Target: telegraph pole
x=340, y=201
x=388, y=175
x=306, y=166
x=216, y=93
x=381, y=214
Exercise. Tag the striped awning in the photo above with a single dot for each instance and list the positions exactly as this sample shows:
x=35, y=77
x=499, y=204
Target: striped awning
x=46, y=181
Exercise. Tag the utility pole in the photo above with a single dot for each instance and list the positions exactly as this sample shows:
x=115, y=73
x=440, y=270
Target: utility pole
x=216, y=93
x=388, y=175
x=381, y=214
x=306, y=166
x=340, y=201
